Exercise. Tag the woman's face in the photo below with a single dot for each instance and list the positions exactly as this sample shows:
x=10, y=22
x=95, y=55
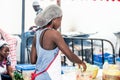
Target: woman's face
x=57, y=22
x=4, y=52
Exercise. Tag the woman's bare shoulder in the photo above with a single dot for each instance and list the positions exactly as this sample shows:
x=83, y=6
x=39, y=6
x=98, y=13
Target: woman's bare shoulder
x=54, y=32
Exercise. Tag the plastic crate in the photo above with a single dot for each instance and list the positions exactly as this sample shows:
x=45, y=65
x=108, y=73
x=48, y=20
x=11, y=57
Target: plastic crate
x=98, y=59
x=100, y=65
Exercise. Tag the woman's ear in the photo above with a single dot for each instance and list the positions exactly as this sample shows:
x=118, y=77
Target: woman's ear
x=54, y=21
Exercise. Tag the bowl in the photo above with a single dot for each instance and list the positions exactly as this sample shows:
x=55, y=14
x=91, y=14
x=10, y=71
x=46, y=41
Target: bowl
x=93, y=69
x=112, y=72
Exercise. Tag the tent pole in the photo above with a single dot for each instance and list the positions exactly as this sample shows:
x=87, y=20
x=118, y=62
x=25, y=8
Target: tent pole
x=22, y=53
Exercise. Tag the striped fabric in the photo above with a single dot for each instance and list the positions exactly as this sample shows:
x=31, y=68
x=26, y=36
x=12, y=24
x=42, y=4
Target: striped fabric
x=12, y=45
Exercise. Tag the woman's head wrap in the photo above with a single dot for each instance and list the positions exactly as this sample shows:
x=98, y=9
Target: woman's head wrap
x=51, y=12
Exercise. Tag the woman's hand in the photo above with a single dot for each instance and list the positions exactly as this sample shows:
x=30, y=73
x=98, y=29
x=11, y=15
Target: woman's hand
x=83, y=65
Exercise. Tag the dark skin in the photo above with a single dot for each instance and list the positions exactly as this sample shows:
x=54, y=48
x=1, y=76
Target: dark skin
x=52, y=39
x=4, y=52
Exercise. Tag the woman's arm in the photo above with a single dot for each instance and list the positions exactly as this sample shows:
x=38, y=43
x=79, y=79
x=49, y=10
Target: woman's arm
x=33, y=54
x=59, y=41
x=10, y=71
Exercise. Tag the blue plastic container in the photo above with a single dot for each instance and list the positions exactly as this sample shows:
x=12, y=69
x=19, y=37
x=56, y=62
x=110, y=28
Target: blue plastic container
x=118, y=62
x=26, y=70
x=25, y=67
x=98, y=59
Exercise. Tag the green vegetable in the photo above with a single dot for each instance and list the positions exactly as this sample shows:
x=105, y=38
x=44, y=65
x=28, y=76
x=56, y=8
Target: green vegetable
x=18, y=75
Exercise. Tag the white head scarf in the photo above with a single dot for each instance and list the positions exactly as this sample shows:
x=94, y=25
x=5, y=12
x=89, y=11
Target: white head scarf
x=51, y=12
x=2, y=42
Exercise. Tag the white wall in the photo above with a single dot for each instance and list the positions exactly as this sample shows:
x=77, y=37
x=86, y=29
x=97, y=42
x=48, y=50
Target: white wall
x=91, y=16
x=11, y=14
x=78, y=15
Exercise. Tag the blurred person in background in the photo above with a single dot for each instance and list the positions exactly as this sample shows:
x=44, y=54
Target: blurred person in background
x=6, y=71
x=12, y=41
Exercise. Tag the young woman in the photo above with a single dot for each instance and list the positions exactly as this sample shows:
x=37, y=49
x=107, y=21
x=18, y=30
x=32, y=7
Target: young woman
x=5, y=67
x=47, y=43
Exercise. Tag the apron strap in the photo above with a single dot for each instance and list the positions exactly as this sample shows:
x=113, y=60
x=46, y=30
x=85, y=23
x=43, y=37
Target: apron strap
x=47, y=66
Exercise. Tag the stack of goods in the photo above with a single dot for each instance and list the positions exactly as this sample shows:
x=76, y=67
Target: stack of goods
x=111, y=72
x=99, y=61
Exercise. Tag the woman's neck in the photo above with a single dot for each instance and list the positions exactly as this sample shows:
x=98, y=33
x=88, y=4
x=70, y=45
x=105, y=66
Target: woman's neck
x=49, y=26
